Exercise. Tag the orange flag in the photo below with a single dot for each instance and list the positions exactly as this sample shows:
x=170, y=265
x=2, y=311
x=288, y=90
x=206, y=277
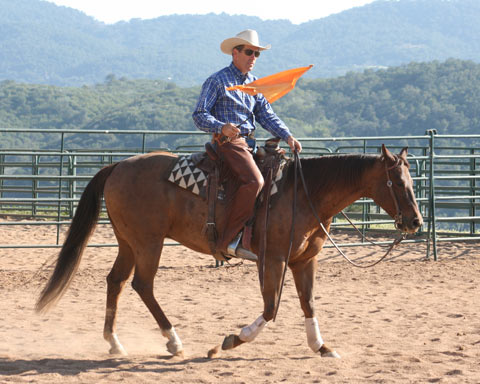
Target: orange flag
x=275, y=86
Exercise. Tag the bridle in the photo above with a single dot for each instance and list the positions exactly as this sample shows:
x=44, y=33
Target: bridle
x=398, y=218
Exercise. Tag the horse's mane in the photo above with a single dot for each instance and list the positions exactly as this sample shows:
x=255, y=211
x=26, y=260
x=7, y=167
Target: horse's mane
x=322, y=173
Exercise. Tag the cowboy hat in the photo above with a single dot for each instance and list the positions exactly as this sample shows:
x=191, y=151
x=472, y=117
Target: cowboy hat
x=247, y=37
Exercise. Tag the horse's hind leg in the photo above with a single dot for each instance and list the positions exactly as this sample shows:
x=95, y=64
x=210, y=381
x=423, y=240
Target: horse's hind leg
x=146, y=266
x=121, y=271
x=304, y=276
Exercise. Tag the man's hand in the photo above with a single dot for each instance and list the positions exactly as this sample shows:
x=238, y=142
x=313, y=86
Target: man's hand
x=230, y=130
x=294, y=144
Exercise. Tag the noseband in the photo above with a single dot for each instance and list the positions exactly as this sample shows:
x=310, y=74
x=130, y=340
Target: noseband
x=398, y=218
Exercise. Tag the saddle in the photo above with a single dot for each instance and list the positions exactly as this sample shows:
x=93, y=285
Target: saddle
x=270, y=159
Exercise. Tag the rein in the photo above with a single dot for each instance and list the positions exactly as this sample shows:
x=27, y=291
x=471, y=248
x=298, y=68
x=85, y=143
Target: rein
x=397, y=218
x=292, y=233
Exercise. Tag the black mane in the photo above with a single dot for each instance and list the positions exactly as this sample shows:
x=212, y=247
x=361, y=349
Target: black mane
x=321, y=173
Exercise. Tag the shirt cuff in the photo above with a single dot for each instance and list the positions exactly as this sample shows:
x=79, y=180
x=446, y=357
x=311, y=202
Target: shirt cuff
x=218, y=127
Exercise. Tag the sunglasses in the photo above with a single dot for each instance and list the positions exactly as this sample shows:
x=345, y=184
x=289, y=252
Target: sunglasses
x=250, y=52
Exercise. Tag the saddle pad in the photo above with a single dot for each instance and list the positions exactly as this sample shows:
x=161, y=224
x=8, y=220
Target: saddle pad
x=186, y=175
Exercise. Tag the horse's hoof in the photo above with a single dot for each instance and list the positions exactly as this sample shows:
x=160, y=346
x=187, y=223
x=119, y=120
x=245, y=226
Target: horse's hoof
x=333, y=354
x=214, y=352
x=327, y=352
x=174, y=348
x=116, y=348
x=231, y=342
x=228, y=342
x=118, y=351
x=179, y=355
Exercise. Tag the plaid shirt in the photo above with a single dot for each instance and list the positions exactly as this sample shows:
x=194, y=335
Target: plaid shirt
x=217, y=106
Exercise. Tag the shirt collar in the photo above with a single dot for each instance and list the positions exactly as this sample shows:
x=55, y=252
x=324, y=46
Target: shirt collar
x=238, y=75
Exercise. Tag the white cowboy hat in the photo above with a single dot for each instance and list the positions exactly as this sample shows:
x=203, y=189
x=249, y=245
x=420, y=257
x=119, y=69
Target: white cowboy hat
x=247, y=37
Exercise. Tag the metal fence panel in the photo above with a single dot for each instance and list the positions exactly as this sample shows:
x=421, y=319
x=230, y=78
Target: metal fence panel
x=45, y=185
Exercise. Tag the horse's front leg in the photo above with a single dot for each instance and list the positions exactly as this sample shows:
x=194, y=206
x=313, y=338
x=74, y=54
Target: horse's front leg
x=304, y=276
x=272, y=279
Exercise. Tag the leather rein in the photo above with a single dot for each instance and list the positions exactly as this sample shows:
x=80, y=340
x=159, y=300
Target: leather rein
x=397, y=218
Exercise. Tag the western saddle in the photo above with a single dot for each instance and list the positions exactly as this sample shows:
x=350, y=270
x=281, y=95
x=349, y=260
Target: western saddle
x=269, y=159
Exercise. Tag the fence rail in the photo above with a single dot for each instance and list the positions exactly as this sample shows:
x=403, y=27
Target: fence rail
x=45, y=184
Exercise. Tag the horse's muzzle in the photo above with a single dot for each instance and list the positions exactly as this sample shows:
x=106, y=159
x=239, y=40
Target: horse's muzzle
x=408, y=225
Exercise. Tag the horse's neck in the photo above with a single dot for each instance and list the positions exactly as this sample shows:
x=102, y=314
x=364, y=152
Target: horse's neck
x=342, y=184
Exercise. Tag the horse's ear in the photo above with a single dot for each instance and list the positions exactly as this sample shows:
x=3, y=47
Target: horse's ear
x=403, y=153
x=387, y=155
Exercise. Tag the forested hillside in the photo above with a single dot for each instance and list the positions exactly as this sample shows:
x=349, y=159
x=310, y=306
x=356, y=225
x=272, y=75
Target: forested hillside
x=405, y=100
x=42, y=43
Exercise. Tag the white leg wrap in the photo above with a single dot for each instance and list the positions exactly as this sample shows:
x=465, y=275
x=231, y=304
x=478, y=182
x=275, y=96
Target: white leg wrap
x=115, y=346
x=251, y=332
x=314, y=337
x=174, y=343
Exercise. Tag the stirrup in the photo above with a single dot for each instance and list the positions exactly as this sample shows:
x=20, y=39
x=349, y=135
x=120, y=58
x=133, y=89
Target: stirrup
x=234, y=249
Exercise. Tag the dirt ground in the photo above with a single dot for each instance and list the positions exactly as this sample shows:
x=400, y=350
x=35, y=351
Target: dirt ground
x=407, y=320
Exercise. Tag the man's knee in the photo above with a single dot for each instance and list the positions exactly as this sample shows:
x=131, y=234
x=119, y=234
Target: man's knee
x=261, y=182
x=258, y=182
x=254, y=185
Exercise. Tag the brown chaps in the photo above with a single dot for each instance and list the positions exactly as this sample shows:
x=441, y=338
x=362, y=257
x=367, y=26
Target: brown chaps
x=238, y=157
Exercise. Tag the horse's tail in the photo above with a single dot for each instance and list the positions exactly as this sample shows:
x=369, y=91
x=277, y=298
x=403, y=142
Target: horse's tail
x=83, y=223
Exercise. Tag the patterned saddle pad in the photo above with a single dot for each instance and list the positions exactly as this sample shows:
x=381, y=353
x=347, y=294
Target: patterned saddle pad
x=186, y=175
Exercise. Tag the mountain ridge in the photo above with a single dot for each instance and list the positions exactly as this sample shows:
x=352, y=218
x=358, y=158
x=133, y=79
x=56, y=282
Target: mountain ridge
x=48, y=44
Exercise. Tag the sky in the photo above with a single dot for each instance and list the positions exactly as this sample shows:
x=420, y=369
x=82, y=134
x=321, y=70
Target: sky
x=298, y=11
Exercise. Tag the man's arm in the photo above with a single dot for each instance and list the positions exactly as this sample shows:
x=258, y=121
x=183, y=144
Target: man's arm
x=273, y=124
x=202, y=117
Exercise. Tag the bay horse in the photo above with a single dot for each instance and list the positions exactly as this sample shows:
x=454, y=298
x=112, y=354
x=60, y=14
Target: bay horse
x=144, y=209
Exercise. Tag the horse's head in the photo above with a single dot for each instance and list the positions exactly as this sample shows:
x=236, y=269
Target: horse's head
x=394, y=191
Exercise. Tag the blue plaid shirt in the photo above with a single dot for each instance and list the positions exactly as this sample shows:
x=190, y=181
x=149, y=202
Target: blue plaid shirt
x=217, y=106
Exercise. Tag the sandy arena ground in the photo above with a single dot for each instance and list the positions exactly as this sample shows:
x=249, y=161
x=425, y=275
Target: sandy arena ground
x=407, y=320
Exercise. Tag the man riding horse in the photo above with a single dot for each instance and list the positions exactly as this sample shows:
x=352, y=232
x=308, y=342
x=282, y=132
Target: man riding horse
x=231, y=117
